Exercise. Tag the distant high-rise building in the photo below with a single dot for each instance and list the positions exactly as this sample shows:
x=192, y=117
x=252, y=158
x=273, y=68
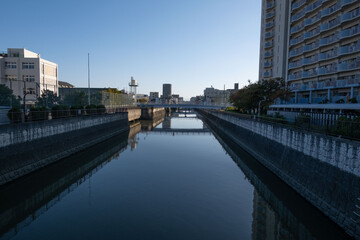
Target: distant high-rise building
x=236, y=86
x=273, y=39
x=167, y=90
x=26, y=73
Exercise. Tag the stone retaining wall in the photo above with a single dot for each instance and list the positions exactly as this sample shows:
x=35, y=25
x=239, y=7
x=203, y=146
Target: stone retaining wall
x=27, y=147
x=323, y=169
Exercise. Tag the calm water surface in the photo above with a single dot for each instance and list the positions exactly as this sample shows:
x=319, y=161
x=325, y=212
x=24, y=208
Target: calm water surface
x=158, y=185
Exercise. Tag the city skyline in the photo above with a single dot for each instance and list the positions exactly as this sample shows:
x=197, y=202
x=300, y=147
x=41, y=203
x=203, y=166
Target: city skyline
x=192, y=45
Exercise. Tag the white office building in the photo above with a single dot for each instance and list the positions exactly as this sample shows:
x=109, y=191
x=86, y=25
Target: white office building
x=27, y=74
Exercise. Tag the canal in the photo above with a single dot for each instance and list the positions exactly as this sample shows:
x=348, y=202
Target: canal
x=168, y=179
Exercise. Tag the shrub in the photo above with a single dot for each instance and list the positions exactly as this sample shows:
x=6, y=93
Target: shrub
x=60, y=111
x=340, y=101
x=101, y=109
x=91, y=109
x=353, y=100
x=14, y=115
x=38, y=114
x=231, y=109
x=77, y=110
x=302, y=120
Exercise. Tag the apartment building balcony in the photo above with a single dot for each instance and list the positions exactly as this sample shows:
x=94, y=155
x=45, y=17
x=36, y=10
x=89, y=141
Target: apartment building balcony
x=324, y=85
x=330, y=10
x=329, y=40
x=268, y=64
x=269, y=34
x=310, y=73
x=269, y=25
x=296, y=64
x=349, y=49
x=270, y=5
x=270, y=14
x=330, y=25
x=347, y=2
x=297, y=4
x=297, y=40
x=296, y=52
x=268, y=74
x=311, y=47
x=295, y=76
x=310, y=60
x=312, y=33
x=330, y=69
x=313, y=6
x=349, y=16
x=350, y=32
x=348, y=65
x=297, y=28
x=313, y=20
x=269, y=44
x=328, y=55
x=298, y=16
x=268, y=54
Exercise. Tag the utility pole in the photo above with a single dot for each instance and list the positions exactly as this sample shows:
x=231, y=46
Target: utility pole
x=88, y=78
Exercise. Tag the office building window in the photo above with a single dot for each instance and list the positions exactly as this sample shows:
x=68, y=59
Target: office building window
x=29, y=91
x=11, y=77
x=26, y=65
x=29, y=78
x=10, y=64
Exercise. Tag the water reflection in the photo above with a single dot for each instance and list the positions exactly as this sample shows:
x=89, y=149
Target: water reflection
x=174, y=181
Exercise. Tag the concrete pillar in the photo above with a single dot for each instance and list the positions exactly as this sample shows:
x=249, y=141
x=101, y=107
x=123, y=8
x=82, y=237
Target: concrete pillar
x=352, y=92
x=310, y=96
x=296, y=96
x=329, y=95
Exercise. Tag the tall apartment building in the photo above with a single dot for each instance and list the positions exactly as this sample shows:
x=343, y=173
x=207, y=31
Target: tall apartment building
x=322, y=60
x=324, y=51
x=273, y=39
x=25, y=72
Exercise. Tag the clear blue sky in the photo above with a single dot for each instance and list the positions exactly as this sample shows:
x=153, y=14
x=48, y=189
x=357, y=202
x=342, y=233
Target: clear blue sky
x=191, y=44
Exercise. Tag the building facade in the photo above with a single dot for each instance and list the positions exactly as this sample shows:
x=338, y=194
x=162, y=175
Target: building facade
x=324, y=51
x=167, y=91
x=273, y=39
x=27, y=74
x=322, y=61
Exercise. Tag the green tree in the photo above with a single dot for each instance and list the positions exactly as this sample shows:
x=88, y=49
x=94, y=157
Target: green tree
x=48, y=99
x=7, y=98
x=248, y=97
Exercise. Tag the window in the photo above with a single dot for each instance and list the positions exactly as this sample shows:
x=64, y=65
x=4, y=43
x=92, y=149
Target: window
x=10, y=64
x=26, y=65
x=11, y=77
x=29, y=91
x=29, y=78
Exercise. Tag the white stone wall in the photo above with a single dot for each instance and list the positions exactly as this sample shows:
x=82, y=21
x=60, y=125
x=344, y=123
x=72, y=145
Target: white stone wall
x=22, y=133
x=341, y=153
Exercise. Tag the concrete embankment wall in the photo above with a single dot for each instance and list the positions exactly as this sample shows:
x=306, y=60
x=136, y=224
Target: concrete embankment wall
x=133, y=114
x=27, y=147
x=323, y=169
x=150, y=113
x=24, y=201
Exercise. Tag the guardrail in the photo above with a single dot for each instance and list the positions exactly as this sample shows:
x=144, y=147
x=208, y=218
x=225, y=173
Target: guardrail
x=343, y=127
